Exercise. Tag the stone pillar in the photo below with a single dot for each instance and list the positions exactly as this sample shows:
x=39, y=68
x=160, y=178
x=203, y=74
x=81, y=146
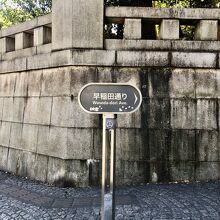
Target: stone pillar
x=132, y=29
x=206, y=30
x=23, y=40
x=42, y=35
x=169, y=29
x=77, y=24
x=7, y=44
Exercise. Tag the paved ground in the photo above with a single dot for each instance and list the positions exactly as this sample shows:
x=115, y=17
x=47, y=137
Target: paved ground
x=25, y=199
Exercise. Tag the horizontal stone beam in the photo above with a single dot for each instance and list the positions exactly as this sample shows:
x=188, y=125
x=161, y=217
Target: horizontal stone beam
x=28, y=25
x=161, y=13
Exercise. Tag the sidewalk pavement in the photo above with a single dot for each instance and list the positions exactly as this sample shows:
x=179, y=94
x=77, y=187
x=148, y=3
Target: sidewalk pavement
x=21, y=198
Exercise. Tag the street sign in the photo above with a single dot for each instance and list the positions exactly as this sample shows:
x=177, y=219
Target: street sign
x=109, y=99
x=114, y=98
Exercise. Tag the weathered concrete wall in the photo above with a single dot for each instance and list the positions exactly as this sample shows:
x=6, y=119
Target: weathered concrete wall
x=45, y=135
x=44, y=63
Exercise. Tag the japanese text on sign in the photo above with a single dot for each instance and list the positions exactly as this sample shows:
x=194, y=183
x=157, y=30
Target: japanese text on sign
x=110, y=96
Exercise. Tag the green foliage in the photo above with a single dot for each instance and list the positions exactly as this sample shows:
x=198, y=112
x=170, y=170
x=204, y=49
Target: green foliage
x=16, y=11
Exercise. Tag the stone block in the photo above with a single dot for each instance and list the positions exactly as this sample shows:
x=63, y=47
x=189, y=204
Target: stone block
x=79, y=76
x=181, y=45
x=217, y=75
x=79, y=144
x=8, y=109
x=7, y=84
x=182, y=83
x=1, y=107
x=131, y=172
x=13, y=160
x=20, y=53
x=5, y=129
x=206, y=30
x=205, y=83
x=21, y=86
x=16, y=65
x=16, y=135
x=207, y=147
x=183, y=114
x=3, y=158
x=38, y=110
x=52, y=141
x=182, y=171
x=42, y=49
x=159, y=171
x=56, y=82
x=142, y=58
x=121, y=44
x=132, y=29
x=61, y=58
x=37, y=169
x=156, y=113
x=129, y=144
x=42, y=35
x=206, y=114
x=7, y=44
x=133, y=120
x=159, y=144
x=29, y=138
x=67, y=113
x=80, y=24
x=23, y=40
x=206, y=171
x=40, y=61
x=128, y=75
x=188, y=60
x=20, y=162
x=74, y=172
x=18, y=109
x=93, y=57
x=182, y=145
x=97, y=144
x=157, y=82
x=169, y=29
x=35, y=79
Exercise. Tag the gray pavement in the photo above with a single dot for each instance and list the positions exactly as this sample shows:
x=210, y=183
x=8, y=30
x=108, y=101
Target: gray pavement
x=21, y=198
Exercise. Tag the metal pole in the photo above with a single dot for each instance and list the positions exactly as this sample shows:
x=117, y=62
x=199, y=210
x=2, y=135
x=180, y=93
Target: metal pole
x=112, y=170
x=108, y=194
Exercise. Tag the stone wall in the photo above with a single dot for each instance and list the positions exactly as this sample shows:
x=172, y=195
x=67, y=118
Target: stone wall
x=45, y=135
x=174, y=136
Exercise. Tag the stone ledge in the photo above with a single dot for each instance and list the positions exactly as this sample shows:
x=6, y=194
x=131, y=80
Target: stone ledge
x=142, y=58
x=162, y=45
x=111, y=58
x=201, y=60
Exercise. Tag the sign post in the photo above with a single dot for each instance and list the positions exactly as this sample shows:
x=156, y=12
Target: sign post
x=109, y=99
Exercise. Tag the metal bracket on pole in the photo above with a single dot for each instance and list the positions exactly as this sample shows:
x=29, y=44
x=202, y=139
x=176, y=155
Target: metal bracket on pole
x=108, y=193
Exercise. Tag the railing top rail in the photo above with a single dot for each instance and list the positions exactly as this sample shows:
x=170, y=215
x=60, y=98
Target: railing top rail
x=26, y=26
x=162, y=13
